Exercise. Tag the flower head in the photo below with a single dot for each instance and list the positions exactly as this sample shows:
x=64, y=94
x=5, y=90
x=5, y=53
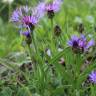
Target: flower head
x=53, y=7
x=28, y=17
x=80, y=43
x=92, y=77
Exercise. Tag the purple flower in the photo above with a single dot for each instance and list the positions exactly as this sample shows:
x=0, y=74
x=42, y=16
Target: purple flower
x=53, y=7
x=28, y=17
x=80, y=43
x=92, y=77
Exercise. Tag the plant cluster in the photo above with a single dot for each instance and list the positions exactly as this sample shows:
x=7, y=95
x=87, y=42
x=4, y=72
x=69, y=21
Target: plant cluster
x=50, y=67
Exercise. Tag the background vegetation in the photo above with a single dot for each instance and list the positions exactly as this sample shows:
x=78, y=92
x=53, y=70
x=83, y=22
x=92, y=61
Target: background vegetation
x=16, y=80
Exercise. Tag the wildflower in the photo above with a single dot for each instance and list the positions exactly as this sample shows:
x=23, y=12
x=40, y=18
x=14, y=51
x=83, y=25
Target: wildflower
x=80, y=43
x=53, y=7
x=22, y=16
x=28, y=17
x=92, y=77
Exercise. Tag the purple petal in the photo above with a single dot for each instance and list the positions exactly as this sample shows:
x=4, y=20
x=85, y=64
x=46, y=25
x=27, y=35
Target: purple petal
x=57, y=5
x=74, y=38
x=83, y=37
x=15, y=16
x=70, y=43
x=82, y=43
x=90, y=43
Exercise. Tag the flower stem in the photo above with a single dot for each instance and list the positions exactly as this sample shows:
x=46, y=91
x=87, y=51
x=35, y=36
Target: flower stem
x=52, y=37
x=32, y=57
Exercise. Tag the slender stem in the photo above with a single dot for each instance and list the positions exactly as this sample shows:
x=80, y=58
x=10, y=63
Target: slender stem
x=52, y=36
x=52, y=23
x=34, y=42
x=32, y=57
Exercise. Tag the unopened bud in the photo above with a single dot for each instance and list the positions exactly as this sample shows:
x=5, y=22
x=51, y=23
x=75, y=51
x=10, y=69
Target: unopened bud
x=57, y=30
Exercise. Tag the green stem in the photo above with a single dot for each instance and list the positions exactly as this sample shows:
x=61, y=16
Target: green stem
x=34, y=42
x=32, y=57
x=53, y=49
x=52, y=23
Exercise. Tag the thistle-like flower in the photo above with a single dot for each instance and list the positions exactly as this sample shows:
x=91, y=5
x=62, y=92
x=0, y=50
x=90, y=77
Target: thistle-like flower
x=28, y=17
x=80, y=43
x=53, y=7
x=92, y=77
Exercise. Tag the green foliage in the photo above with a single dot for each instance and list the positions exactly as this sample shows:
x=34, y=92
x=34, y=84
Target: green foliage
x=6, y=92
x=50, y=77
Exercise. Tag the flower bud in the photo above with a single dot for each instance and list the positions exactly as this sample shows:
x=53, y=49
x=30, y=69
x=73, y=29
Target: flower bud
x=57, y=30
x=80, y=28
